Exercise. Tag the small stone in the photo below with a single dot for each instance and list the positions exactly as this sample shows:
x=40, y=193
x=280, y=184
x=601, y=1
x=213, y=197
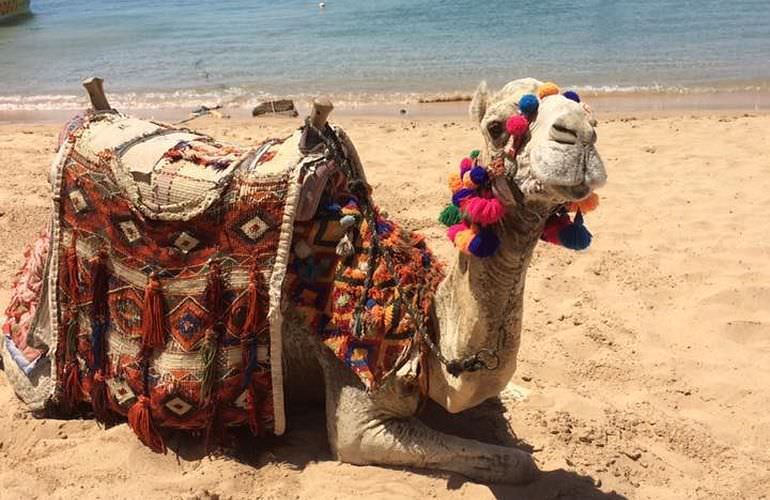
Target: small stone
x=633, y=455
x=650, y=149
x=402, y=111
x=526, y=378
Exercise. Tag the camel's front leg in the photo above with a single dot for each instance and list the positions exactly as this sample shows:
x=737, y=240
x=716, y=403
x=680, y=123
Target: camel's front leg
x=380, y=429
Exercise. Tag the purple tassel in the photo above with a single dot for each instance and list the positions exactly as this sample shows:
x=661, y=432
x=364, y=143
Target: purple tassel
x=461, y=195
x=484, y=244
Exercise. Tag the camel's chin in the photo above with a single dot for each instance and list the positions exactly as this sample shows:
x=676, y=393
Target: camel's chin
x=573, y=193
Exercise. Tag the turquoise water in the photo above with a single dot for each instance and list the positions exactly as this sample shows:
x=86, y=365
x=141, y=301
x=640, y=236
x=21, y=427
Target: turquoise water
x=238, y=51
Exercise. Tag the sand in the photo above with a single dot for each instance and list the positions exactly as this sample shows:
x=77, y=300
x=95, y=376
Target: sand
x=645, y=364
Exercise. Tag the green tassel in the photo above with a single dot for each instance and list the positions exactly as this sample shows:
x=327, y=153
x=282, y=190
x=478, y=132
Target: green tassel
x=208, y=356
x=450, y=215
x=475, y=154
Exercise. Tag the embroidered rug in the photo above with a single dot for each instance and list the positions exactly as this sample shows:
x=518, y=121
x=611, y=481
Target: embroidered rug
x=366, y=308
x=167, y=258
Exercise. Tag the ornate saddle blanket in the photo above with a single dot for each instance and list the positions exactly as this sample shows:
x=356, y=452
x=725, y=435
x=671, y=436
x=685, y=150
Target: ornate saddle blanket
x=162, y=294
x=363, y=284
x=158, y=294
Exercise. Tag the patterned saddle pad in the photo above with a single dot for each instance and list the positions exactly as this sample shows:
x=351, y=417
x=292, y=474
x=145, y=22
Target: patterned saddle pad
x=161, y=292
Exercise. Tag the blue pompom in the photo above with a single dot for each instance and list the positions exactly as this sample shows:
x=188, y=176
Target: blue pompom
x=575, y=236
x=479, y=175
x=461, y=195
x=528, y=104
x=484, y=244
x=572, y=95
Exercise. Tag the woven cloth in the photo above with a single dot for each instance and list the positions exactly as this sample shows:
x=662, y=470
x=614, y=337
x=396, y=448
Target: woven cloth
x=371, y=329
x=168, y=253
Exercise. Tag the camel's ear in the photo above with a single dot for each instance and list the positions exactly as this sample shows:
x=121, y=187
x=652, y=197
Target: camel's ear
x=479, y=103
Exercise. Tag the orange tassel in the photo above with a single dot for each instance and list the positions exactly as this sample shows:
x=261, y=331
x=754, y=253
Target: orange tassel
x=585, y=206
x=72, y=389
x=152, y=315
x=252, y=314
x=140, y=421
x=99, y=398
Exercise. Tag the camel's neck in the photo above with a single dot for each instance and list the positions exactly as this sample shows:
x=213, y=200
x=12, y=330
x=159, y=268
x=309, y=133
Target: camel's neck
x=479, y=306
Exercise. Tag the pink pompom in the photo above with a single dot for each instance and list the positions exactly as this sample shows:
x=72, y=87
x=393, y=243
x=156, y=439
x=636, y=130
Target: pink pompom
x=517, y=125
x=452, y=231
x=484, y=211
x=465, y=165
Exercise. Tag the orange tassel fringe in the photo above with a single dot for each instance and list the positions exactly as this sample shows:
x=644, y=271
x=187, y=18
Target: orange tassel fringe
x=152, y=315
x=72, y=389
x=99, y=398
x=252, y=314
x=140, y=421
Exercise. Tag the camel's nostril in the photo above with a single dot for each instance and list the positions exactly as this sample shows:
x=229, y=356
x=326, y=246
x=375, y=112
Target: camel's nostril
x=563, y=134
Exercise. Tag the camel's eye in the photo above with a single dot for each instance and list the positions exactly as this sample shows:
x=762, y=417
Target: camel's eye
x=496, y=129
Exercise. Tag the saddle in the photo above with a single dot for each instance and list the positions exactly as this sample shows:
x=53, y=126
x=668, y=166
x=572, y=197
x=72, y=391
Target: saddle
x=159, y=295
x=158, y=291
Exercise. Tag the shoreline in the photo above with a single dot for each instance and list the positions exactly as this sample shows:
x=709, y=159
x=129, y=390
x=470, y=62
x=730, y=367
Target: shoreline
x=425, y=105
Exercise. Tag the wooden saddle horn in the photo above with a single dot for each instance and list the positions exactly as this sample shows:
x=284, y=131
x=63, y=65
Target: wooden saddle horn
x=95, y=88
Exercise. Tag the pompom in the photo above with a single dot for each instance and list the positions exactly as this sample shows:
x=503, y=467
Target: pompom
x=553, y=226
x=452, y=231
x=575, y=236
x=465, y=165
x=484, y=211
x=572, y=95
x=484, y=244
x=463, y=239
x=475, y=154
x=462, y=194
x=528, y=104
x=517, y=125
x=479, y=175
x=546, y=89
x=455, y=184
x=468, y=182
x=585, y=206
x=450, y=215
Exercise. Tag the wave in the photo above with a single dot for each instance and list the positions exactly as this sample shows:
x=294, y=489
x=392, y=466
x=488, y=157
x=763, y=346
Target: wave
x=246, y=98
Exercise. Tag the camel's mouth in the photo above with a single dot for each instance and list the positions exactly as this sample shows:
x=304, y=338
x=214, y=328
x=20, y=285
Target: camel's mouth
x=574, y=193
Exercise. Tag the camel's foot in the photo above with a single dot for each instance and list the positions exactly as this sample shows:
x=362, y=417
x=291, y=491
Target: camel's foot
x=408, y=442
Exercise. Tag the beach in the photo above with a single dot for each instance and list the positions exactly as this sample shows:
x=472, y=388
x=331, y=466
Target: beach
x=644, y=370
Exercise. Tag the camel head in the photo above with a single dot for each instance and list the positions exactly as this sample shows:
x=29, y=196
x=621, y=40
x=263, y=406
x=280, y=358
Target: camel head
x=556, y=161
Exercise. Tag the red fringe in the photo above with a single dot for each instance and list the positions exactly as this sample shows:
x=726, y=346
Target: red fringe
x=99, y=398
x=252, y=404
x=152, y=315
x=214, y=292
x=72, y=390
x=140, y=421
x=252, y=314
x=72, y=284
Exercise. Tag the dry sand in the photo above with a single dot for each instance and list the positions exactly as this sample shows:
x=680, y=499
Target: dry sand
x=646, y=359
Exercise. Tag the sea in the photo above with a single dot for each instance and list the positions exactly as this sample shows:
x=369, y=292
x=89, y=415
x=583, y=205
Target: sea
x=175, y=53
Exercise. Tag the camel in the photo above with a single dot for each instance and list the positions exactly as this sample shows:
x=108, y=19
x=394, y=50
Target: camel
x=471, y=347
x=478, y=306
